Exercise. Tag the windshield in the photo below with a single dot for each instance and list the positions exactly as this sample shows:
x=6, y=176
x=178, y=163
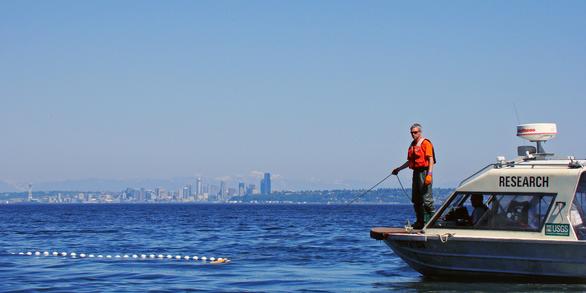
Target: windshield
x=495, y=211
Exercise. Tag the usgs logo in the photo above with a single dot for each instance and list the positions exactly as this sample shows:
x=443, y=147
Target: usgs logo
x=557, y=229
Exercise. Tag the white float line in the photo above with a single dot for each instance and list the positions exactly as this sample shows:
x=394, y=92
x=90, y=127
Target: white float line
x=204, y=259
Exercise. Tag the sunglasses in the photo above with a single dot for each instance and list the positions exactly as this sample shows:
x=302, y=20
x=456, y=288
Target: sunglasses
x=414, y=132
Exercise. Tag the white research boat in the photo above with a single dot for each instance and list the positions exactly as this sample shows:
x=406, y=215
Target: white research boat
x=532, y=224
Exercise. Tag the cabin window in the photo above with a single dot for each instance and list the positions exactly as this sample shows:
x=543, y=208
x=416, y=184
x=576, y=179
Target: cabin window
x=489, y=211
x=578, y=210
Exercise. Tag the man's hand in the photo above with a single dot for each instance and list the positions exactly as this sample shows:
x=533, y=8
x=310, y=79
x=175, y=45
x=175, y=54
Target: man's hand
x=428, y=179
x=395, y=171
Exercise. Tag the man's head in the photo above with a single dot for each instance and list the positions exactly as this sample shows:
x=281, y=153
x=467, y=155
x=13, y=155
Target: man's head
x=416, y=131
x=476, y=199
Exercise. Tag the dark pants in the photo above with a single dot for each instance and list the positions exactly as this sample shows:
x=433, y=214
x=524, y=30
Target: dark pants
x=421, y=195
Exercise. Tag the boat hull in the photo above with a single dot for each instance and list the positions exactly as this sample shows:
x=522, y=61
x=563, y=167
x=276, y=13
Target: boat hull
x=445, y=256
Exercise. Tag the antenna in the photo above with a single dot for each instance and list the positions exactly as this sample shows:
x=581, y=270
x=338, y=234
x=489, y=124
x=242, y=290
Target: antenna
x=516, y=113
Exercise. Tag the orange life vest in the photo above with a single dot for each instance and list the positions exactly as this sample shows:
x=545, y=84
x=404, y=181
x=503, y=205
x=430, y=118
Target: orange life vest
x=416, y=155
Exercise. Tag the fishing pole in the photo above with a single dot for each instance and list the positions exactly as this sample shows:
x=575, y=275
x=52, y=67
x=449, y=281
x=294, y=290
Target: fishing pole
x=364, y=193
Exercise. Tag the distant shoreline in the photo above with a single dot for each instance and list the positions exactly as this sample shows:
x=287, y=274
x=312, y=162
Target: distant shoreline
x=389, y=196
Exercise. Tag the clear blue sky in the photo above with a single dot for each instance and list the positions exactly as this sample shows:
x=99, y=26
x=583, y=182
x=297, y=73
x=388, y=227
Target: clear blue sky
x=314, y=91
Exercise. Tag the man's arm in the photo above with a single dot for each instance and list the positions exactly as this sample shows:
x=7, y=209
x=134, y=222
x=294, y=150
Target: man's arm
x=429, y=177
x=431, y=163
x=396, y=170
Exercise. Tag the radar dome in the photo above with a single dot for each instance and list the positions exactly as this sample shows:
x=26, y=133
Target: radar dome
x=537, y=131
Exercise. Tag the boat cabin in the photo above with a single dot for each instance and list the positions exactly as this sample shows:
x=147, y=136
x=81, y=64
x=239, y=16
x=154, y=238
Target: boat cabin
x=548, y=198
x=534, y=194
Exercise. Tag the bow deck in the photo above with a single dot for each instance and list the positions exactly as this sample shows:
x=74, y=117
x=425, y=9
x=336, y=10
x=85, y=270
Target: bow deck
x=381, y=233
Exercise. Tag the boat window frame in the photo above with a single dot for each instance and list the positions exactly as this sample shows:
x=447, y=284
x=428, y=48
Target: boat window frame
x=492, y=194
x=579, y=234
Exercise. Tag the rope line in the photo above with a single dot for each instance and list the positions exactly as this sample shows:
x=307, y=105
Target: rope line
x=444, y=237
x=212, y=260
x=403, y=188
x=364, y=193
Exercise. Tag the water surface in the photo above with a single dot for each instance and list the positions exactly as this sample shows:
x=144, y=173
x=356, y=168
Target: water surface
x=321, y=248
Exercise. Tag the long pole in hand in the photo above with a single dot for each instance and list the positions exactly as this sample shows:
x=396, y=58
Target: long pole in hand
x=364, y=193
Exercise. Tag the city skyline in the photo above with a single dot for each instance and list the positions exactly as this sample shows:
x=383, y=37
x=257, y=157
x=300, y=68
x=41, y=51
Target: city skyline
x=196, y=184
x=199, y=189
x=277, y=183
x=160, y=195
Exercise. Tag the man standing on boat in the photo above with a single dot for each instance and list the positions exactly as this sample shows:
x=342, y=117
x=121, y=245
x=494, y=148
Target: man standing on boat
x=420, y=158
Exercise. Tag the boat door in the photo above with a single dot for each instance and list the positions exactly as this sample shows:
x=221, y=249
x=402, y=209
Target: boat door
x=578, y=210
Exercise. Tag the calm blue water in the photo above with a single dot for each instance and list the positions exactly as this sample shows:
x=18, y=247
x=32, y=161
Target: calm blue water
x=272, y=247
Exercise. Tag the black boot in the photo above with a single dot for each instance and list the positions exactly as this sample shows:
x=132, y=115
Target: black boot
x=418, y=225
x=420, y=216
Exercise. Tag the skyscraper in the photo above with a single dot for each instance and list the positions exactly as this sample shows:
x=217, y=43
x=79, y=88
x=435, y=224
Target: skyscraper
x=265, y=184
x=198, y=187
x=241, y=189
x=222, y=191
x=185, y=193
x=30, y=192
x=250, y=189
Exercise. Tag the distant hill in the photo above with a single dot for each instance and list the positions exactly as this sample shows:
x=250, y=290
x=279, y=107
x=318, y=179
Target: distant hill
x=383, y=195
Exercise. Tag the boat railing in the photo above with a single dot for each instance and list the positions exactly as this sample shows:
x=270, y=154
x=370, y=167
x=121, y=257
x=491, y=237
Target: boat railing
x=477, y=173
x=571, y=165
